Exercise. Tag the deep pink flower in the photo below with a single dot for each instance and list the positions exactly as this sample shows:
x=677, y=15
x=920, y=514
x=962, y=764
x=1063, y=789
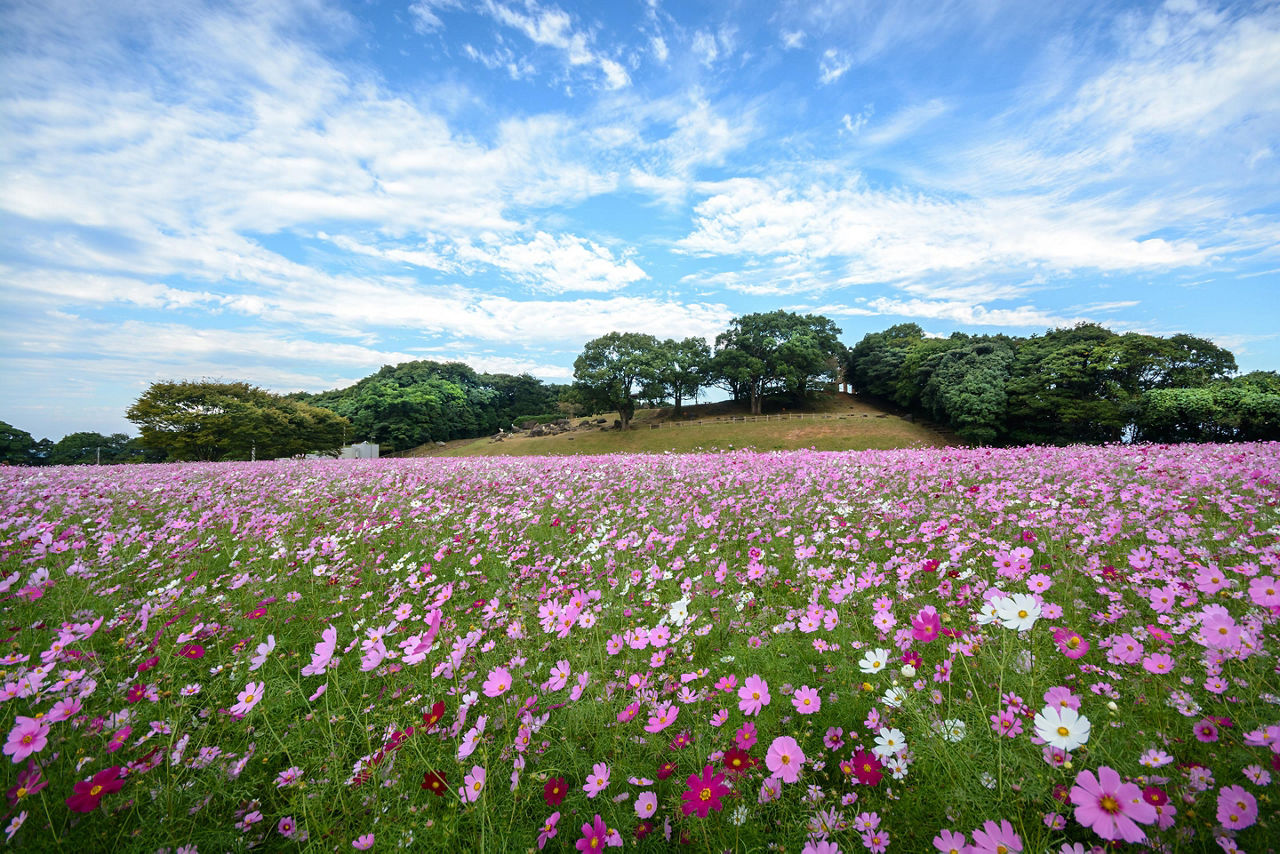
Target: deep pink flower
x=191, y=650
x=704, y=793
x=926, y=625
x=595, y=836
x=1110, y=807
x=89, y=793
x=1070, y=643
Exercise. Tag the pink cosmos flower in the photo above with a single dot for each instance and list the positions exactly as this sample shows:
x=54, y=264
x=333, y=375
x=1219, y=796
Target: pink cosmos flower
x=1110, y=807
x=28, y=736
x=549, y=830
x=323, y=653
x=1158, y=662
x=286, y=826
x=597, y=780
x=926, y=625
x=1220, y=632
x=996, y=839
x=785, y=758
x=753, y=695
x=662, y=717
x=1205, y=731
x=806, y=700
x=1237, y=809
x=473, y=785
x=950, y=842
x=646, y=805
x=249, y=697
x=1265, y=591
x=363, y=843
x=498, y=683
x=1070, y=643
x=745, y=737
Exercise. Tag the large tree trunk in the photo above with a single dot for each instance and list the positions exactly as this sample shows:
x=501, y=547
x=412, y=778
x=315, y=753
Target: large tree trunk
x=677, y=411
x=756, y=401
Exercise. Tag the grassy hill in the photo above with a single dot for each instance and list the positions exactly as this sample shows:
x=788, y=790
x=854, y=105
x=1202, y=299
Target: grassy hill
x=837, y=422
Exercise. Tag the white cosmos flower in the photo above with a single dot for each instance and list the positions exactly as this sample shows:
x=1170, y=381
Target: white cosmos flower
x=953, y=730
x=874, y=661
x=1018, y=612
x=1062, y=727
x=890, y=741
x=894, y=696
x=987, y=613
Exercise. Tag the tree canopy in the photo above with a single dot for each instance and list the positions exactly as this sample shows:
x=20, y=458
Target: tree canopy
x=231, y=421
x=614, y=369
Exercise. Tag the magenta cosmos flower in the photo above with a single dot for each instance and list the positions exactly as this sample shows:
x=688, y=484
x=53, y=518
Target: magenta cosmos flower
x=1110, y=807
x=595, y=836
x=704, y=793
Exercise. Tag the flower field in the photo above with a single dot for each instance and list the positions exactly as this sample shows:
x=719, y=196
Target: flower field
x=940, y=649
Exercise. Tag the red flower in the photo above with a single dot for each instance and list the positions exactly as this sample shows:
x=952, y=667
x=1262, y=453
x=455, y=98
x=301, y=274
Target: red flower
x=148, y=664
x=554, y=791
x=136, y=693
x=666, y=769
x=435, y=782
x=431, y=718
x=88, y=794
x=256, y=613
x=866, y=767
x=738, y=761
x=704, y=793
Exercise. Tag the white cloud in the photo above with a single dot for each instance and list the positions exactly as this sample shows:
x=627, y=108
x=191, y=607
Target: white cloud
x=551, y=26
x=425, y=13
x=899, y=236
x=904, y=123
x=558, y=264
x=660, y=51
x=792, y=39
x=705, y=47
x=832, y=66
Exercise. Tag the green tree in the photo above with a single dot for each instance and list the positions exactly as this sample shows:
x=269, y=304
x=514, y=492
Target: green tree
x=214, y=421
x=614, y=369
x=17, y=448
x=875, y=365
x=87, y=447
x=682, y=369
x=779, y=351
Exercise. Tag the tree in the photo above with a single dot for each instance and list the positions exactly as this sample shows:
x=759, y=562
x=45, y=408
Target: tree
x=875, y=364
x=16, y=446
x=215, y=421
x=682, y=369
x=779, y=351
x=86, y=447
x=613, y=369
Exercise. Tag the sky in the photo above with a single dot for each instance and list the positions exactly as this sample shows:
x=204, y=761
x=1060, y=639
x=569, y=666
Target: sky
x=294, y=193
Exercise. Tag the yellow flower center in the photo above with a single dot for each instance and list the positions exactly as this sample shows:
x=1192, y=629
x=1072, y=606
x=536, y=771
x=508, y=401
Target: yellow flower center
x=93, y=793
x=1063, y=731
x=705, y=794
x=1109, y=804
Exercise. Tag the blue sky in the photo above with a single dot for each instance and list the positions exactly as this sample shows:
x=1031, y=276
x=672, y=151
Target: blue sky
x=297, y=192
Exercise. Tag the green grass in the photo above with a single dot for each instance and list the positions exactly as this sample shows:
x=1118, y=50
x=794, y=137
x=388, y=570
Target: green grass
x=835, y=423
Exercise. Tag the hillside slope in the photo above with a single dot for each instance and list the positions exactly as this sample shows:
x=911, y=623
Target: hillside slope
x=838, y=422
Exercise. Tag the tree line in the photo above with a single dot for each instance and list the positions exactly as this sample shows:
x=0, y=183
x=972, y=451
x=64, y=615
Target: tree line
x=772, y=354
x=1079, y=384
x=1082, y=384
